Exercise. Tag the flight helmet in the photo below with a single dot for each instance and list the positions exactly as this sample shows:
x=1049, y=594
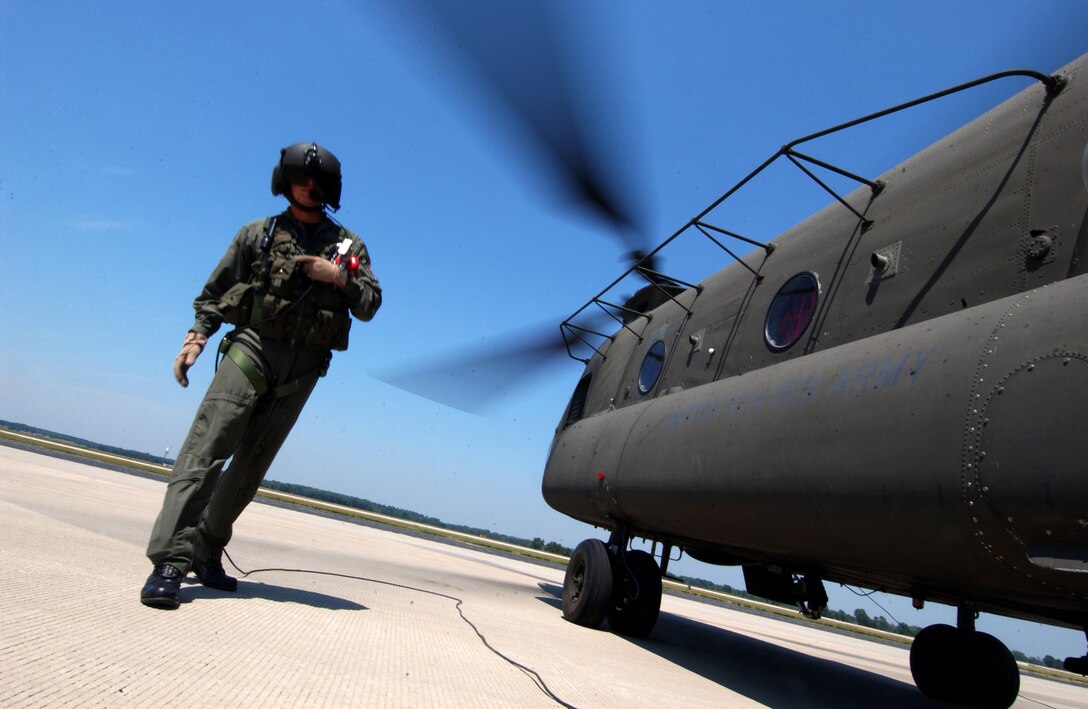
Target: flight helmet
x=312, y=160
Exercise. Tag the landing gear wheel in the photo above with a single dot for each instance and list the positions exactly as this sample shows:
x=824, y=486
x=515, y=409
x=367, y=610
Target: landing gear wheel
x=587, y=585
x=638, y=595
x=997, y=678
x=964, y=667
x=936, y=662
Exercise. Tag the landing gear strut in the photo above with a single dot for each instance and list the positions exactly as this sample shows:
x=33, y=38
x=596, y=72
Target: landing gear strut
x=964, y=666
x=614, y=582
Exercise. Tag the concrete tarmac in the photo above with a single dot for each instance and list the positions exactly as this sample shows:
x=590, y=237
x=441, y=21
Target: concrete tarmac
x=337, y=614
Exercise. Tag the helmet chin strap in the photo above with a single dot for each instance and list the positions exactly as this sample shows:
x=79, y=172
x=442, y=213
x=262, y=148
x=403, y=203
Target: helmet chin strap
x=316, y=196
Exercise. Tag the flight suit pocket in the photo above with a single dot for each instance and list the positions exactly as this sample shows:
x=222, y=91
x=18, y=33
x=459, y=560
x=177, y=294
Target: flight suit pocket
x=329, y=329
x=237, y=303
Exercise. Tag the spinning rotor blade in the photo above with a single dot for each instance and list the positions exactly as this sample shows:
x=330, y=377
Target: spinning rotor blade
x=564, y=119
x=569, y=126
x=474, y=379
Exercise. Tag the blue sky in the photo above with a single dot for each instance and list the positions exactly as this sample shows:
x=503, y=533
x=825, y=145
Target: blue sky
x=138, y=137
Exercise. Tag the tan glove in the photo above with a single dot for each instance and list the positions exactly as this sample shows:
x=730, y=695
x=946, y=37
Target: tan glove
x=190, y=350
x=323, y=270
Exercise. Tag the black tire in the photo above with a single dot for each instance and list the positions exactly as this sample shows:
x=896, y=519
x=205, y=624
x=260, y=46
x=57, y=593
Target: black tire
x=587, y=585
x=940, y=662
x=964, y=667
x=997, y=677
x=637, y=603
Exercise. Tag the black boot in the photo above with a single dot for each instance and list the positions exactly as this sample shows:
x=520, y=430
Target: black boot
x=209, y=571
x=163, y=587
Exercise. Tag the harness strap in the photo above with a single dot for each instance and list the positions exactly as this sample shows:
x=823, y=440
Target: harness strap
x=303, y=381
x=260, y=384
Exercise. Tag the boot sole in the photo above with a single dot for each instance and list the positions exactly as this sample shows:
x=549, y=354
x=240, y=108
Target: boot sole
x=167, y=604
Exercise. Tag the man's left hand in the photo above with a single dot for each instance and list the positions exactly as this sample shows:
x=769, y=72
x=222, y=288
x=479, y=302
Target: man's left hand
x=323, y=270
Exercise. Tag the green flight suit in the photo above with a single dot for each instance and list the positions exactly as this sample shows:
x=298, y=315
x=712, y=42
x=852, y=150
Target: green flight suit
x=234, y=422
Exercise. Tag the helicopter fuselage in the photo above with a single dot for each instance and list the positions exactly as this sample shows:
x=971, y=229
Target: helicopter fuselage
x=891, y=397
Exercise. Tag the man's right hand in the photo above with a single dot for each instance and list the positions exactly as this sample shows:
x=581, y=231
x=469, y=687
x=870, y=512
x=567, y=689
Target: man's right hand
x=190, y=350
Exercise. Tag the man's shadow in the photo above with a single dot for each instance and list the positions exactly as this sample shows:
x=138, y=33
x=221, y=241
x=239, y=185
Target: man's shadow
x=762, y=671
x=281, y=594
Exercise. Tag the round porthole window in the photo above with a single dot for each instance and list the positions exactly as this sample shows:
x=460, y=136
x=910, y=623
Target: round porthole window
x=651, y=367
x=791, y=311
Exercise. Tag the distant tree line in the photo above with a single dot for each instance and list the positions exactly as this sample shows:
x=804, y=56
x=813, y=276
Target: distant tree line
x=550, y=547
x=84, y=443
x=359, y=503
x=860, y=617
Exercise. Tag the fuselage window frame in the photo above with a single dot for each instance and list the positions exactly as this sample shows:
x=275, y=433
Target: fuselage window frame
x=653, y=362
x=577, y=408
x=791, y=311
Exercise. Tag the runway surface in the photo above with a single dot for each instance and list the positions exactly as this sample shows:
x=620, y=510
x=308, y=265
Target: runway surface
x=384, y=619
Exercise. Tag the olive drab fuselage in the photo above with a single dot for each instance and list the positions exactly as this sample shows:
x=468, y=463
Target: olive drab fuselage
x=281, y=302
x=920, y=431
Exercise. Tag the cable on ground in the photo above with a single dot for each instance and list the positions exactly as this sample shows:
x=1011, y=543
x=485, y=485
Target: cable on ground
x=531, y=673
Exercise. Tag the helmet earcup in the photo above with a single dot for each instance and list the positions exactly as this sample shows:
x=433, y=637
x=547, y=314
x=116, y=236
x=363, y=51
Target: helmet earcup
x=278, y=186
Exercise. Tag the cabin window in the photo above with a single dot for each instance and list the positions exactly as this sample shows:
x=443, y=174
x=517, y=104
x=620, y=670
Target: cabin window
x=651, y=367
x=577, y=407
x=791, y=311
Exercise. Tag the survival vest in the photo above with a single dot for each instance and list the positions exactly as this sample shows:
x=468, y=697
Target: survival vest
x=282, y=303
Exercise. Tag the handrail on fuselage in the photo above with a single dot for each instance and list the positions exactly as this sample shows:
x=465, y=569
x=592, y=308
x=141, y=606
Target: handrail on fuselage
x=1054, y=84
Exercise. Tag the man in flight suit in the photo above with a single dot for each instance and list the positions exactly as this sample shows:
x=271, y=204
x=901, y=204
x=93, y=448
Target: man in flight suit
x=289, y=285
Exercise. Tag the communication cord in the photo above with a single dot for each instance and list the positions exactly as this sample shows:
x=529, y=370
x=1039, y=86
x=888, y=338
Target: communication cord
x=528, y=671
x=869, y=595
